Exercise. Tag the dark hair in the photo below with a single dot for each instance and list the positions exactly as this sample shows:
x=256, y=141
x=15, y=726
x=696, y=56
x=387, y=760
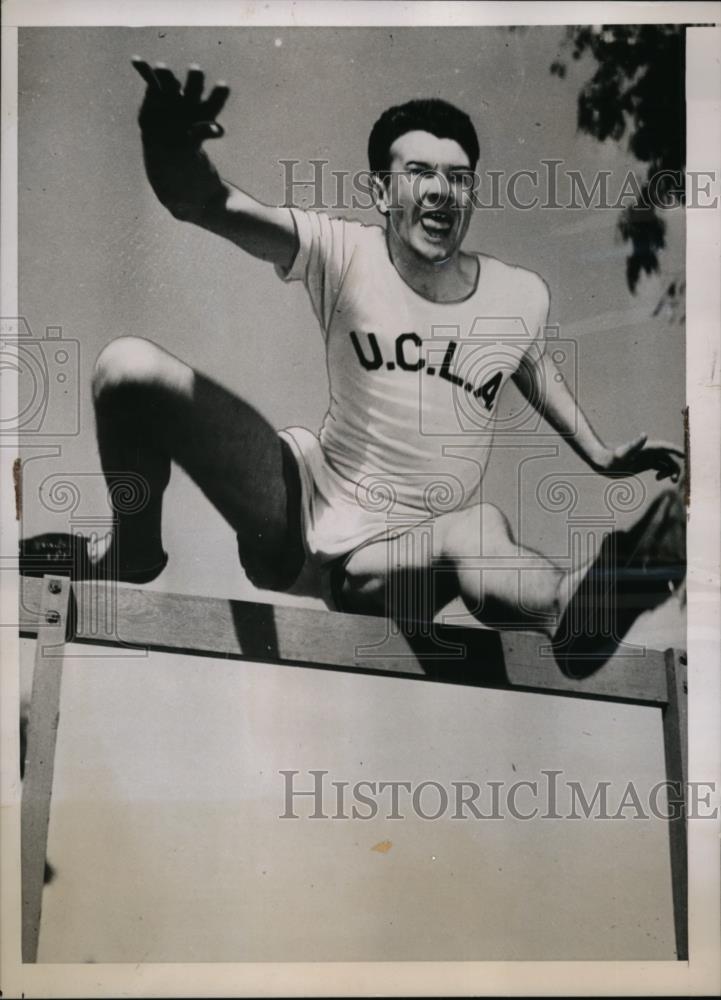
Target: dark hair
x=427, y=115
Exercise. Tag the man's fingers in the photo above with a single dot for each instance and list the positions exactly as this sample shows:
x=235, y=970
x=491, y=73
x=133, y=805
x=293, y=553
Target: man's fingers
x=216, y=101
x=671, y=449
x=194, y=83
x=145, y=71
x=670, y=467
x=163, y=83
x=666, y=460
x=166, y=79
x=162, y=80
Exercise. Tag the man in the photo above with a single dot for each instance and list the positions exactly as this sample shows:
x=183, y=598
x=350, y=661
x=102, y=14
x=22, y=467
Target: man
x=346, y=506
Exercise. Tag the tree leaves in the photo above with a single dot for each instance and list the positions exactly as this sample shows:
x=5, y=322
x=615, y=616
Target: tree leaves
x=636, y=90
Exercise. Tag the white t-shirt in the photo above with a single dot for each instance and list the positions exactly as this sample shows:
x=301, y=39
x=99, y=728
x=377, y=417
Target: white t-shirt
x=414, y=384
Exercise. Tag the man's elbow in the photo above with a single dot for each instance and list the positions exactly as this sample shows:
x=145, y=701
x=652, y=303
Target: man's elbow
x=185, y=211
x=208, y=213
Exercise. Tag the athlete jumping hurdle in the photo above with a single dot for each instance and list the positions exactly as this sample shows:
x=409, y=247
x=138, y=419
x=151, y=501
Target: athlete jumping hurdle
x=305, y=506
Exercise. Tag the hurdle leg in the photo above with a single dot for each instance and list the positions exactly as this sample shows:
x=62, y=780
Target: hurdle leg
x=40, y=754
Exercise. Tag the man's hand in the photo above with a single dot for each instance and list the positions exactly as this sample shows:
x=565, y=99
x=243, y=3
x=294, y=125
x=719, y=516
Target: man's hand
x=174, y=122
x=640, y=456
x=175, y=116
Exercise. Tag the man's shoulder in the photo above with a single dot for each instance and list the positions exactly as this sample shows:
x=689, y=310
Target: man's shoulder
x=522, y=278
x=348, y=223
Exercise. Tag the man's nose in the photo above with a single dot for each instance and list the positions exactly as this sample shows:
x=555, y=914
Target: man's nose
x=435, y=189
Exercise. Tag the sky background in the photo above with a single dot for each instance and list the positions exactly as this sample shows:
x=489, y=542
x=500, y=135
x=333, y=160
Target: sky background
x=100, y=257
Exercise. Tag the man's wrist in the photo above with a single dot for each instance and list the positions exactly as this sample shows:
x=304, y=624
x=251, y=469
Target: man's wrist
x=601, y=458
x=183, y=178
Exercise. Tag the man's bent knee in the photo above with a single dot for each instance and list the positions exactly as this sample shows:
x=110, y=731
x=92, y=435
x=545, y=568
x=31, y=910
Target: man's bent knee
x=363, y=578
x=132, y=361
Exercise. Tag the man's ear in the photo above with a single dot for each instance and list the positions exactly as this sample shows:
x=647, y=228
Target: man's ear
x=381, y=195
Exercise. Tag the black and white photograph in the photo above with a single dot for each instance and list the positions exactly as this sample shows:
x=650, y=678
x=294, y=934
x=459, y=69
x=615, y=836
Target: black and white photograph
x=360, y=528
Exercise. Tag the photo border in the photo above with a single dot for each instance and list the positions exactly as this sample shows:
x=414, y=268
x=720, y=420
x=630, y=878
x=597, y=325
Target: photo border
x=702, y=974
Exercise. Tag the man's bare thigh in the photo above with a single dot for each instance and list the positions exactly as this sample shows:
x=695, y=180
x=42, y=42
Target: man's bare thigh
x=404, y=575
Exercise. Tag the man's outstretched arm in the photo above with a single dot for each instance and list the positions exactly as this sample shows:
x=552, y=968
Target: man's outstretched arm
x=540, y=381
x=174, y=122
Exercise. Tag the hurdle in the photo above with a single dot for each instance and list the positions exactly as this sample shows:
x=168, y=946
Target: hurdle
x=54, y=611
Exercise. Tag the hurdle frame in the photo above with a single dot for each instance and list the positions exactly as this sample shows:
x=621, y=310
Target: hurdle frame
x=203, y=626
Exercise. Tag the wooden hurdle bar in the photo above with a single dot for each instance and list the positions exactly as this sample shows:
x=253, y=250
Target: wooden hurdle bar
x=53, y=611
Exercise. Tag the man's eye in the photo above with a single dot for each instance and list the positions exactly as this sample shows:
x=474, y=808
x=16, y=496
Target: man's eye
x=463, y=178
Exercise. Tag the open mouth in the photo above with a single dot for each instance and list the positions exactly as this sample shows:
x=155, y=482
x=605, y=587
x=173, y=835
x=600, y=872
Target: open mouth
x=437, y=225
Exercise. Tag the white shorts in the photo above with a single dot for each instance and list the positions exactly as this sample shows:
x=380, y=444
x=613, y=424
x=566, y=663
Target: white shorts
x=337, y=518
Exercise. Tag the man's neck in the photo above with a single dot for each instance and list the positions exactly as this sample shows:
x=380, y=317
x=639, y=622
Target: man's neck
x=451, y=280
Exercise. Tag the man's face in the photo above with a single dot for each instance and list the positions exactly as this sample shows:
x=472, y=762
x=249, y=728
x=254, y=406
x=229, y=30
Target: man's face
x=428, y=197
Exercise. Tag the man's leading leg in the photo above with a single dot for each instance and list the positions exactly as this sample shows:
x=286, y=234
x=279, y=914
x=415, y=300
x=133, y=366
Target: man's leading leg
x=152, y=409
x=471, y=554
x=586, y=612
